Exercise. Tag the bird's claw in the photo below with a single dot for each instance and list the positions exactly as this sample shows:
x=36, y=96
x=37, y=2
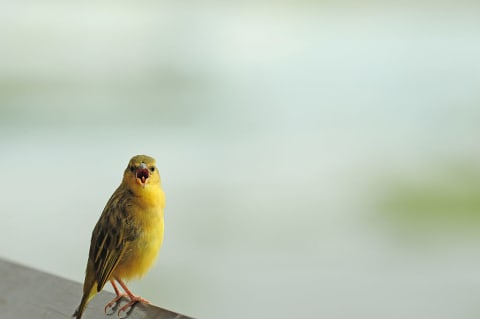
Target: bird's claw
x=127, y=308
x=112, y=305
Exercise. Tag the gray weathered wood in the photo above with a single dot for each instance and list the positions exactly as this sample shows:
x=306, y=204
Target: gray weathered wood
x=29, y=293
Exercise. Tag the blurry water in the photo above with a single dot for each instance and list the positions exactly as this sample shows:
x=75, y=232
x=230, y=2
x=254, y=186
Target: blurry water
x=273, y=127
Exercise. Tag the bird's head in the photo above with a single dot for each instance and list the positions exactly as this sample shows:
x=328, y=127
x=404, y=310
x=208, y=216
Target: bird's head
x=141, y=172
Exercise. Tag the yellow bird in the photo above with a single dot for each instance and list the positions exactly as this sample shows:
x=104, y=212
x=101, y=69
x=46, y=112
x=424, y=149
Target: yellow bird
x=127, y=238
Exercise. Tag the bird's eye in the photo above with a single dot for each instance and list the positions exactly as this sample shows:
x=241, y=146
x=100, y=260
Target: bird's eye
x=132, y=168
x=152, y=169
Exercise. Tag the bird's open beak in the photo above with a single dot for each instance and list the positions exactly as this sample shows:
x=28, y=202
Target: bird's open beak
x=142, y=174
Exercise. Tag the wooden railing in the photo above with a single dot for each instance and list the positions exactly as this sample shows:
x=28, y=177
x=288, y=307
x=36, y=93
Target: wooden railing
x=29, y=293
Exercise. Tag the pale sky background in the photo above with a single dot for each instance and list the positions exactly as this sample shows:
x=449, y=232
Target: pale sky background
x=280, y=131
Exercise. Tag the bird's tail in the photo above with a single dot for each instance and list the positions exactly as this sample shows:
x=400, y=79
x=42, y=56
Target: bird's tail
x=88, y=294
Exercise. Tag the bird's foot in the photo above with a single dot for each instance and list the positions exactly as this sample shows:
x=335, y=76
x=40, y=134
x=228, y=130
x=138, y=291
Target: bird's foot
x=112, y=305
x=127, y=308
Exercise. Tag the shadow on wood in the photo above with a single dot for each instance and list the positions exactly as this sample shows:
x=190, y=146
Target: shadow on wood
x=29, y=293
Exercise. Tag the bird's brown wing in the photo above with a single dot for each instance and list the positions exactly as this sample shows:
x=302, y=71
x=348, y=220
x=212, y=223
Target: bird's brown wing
x=110, y=239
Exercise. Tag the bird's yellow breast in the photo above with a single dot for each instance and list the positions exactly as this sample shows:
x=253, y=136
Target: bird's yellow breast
x=141, y=253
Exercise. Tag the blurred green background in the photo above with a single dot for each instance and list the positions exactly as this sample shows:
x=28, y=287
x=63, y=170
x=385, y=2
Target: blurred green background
x=319, y=158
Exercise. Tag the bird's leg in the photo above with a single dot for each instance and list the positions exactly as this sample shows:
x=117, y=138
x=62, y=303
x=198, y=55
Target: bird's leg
x=133, y=299
x=114, y=303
